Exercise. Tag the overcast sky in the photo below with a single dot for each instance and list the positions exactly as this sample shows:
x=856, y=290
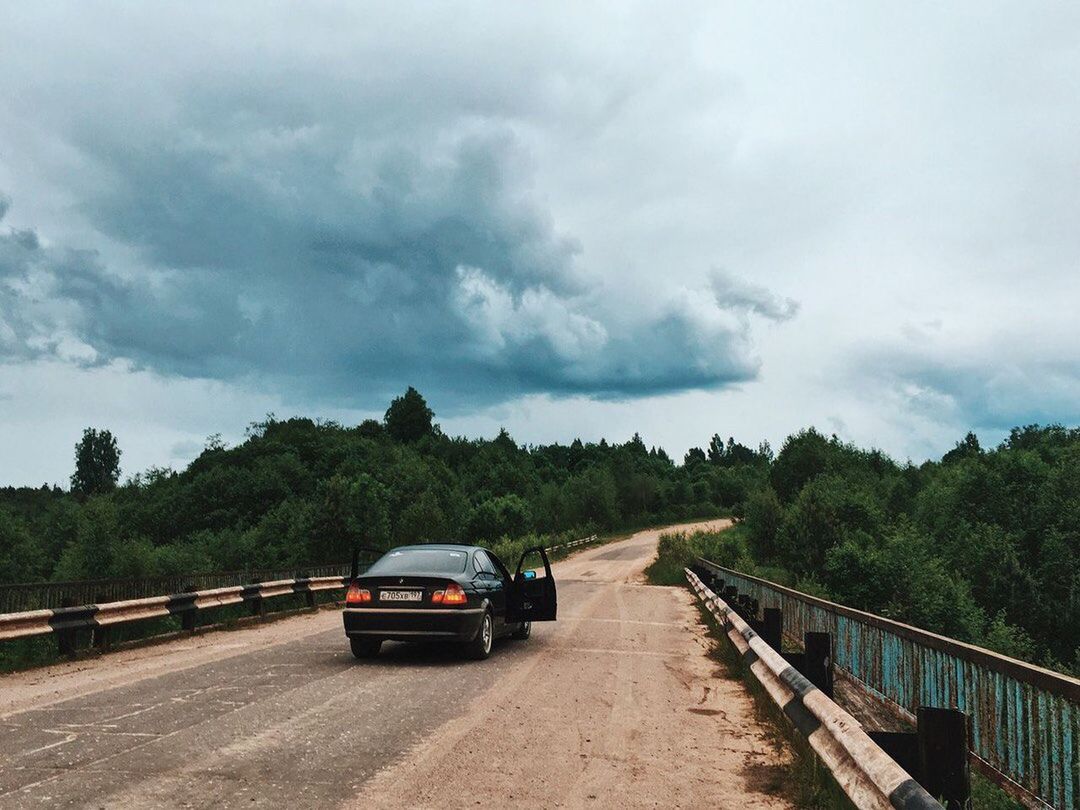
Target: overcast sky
x=583, y=220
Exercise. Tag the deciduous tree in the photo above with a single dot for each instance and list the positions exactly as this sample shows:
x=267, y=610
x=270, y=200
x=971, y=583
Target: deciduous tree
x=97, y=463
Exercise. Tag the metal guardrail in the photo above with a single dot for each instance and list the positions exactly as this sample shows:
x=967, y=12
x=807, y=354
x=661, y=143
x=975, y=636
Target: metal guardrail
x=592, y=538
x=40, y=595
x=1025, y=720
x=100, y=612
x=66, y=621
x=866, y=774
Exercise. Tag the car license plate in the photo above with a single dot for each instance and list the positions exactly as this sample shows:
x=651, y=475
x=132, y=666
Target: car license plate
x=400, y=596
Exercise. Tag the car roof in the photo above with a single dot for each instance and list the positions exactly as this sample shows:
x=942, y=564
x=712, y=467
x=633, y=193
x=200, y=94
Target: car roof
x=437, y=546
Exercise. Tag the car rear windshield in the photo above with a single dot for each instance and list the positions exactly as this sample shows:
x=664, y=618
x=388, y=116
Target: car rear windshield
x=420, y=561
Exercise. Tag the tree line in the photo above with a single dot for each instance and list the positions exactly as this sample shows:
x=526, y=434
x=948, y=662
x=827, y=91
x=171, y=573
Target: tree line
x=299, y=493
x=981, y=545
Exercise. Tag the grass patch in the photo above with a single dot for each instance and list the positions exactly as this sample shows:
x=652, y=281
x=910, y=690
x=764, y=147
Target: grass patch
x=985, y=795
x=677, y=551
x=666, y=569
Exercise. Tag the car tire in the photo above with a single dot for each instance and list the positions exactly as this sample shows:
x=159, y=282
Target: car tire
x=365, y=647
x=480, y=647
x=523, y=631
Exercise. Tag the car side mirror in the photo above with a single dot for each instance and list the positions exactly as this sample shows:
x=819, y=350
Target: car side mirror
x=529, y=574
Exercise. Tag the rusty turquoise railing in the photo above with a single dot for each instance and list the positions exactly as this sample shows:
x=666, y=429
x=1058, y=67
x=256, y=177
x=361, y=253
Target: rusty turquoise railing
x=1025, y=720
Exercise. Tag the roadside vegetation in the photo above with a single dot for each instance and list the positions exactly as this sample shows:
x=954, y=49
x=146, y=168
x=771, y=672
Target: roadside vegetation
x=983, y=546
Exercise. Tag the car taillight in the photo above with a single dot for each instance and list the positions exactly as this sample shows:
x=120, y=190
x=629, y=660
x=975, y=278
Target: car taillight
x=355, y=595
x=451, y=595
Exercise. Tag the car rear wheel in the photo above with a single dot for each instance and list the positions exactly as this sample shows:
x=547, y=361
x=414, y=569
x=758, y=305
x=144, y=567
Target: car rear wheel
x=365, y=647
x=524, y=631
x=480, y=647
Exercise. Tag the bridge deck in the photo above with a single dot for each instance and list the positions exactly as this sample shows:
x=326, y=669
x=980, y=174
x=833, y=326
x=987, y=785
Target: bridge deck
x=617, y=703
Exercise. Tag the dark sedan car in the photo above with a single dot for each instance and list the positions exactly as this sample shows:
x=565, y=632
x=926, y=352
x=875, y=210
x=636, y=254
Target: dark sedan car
x=446, y=593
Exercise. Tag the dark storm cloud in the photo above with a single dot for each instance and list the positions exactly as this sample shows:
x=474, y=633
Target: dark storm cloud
x=306, y=206
x=26, y=322
x=311, y=259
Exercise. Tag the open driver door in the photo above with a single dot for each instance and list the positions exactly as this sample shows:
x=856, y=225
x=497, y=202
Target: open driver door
x=531, y=597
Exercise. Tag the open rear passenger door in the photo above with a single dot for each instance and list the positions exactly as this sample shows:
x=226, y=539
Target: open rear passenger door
x=531, y=598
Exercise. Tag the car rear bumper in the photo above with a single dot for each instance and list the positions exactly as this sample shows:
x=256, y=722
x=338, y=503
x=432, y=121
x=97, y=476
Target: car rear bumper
x=413, y=624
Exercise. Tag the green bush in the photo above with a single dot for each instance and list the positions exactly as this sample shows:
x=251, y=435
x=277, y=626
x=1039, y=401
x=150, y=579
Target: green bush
x=677, y=551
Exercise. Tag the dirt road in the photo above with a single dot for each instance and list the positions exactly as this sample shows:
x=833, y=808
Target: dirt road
x=615, y=704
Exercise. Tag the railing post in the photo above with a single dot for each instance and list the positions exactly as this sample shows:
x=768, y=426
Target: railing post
x=746, y=608
x=189, y=619
x=309, y=595
x=819, y=661
x=66, y=639
x=742, y=606
x=101, y=636
x=943, y=756
x=772, y=628
x=257, y=606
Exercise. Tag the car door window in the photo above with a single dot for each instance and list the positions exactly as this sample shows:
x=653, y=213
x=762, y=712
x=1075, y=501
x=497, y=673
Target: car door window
x=484, y=565
x=500, y=569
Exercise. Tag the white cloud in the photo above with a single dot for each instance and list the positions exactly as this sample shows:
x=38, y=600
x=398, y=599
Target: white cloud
x=499, y=321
